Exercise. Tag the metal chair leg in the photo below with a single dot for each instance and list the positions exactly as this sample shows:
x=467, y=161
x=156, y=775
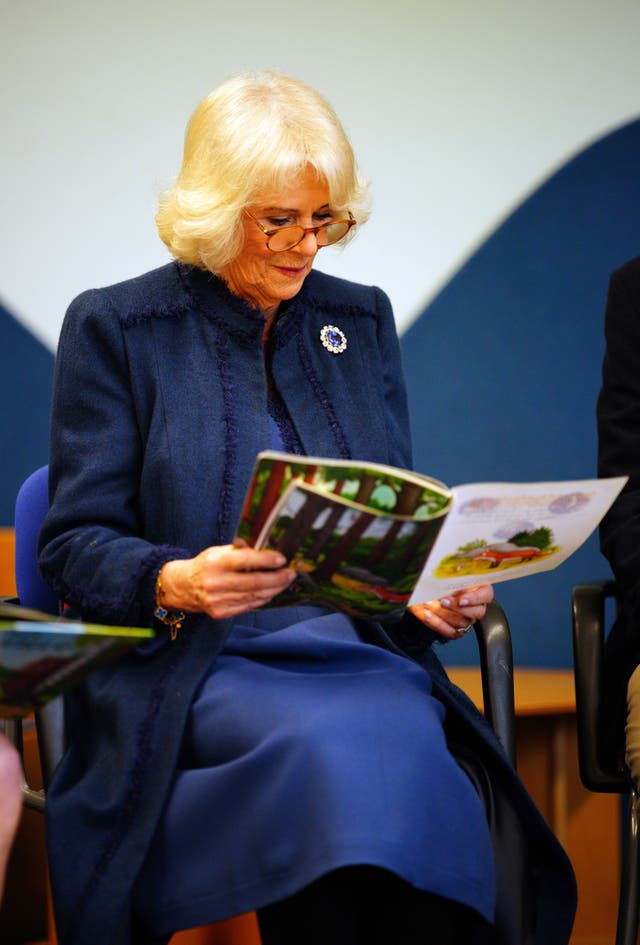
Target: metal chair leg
x=30, y=797
x=627, y=929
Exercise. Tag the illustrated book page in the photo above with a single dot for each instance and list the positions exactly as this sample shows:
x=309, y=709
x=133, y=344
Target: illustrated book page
x=40, y=656
x=370, y=539
x=501, y=531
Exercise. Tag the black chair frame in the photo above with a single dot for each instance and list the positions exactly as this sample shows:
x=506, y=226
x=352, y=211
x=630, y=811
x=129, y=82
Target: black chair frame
x=589, y=603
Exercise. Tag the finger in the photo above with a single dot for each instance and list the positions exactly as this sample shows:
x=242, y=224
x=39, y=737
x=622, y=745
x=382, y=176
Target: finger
x=250, y=559
x=230, y=605
x=466, y=614
x=461, y=619
x=226, y=593
x=468, y=597
x=456, y=616
x=244, y=584
x=264, y=582
x=228, y=558
x=448, y=625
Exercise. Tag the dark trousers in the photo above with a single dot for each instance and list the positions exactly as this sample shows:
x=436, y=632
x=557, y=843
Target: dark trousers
x=366, y=905
x=363, y=905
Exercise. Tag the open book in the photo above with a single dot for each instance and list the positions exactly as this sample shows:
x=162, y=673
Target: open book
x=41, y=656
x=371, y=539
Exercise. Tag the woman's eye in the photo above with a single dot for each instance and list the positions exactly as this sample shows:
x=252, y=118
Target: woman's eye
x=279, y=221
x=323, y=217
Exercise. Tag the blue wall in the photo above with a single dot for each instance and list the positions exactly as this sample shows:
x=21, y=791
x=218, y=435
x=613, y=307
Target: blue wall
x=503, y=367
x=25, y=396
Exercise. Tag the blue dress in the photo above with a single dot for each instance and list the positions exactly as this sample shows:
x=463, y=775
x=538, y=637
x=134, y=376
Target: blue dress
x=308, y=749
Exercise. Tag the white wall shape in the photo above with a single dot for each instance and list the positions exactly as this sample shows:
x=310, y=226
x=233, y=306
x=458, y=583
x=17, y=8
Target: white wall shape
x=457, y=111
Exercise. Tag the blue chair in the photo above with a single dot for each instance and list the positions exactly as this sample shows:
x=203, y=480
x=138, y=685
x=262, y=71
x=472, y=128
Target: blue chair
x=32, y=503
x=31, y=506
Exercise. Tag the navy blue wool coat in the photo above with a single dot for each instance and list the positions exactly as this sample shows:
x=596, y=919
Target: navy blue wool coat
x=159, y=411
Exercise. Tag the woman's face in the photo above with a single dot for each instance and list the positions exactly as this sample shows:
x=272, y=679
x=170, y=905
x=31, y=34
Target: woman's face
x=264, y=278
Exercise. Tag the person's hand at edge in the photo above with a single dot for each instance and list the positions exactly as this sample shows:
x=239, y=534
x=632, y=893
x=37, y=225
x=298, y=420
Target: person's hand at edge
x=10, y=802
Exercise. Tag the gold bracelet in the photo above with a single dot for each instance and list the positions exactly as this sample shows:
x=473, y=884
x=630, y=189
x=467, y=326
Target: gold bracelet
x=172, y=618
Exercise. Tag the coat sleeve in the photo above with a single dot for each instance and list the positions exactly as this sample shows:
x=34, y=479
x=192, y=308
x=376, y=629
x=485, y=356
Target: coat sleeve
x=618, y=415
x=90, y=549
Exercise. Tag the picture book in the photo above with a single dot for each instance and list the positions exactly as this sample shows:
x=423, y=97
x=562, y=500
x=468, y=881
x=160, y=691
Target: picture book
x=371, y=539
x=41, y=656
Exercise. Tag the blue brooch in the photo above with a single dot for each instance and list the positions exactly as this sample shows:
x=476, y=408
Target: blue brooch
x=333, y=339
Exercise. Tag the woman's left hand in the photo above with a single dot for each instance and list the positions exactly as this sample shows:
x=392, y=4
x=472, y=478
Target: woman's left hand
x=451, y=616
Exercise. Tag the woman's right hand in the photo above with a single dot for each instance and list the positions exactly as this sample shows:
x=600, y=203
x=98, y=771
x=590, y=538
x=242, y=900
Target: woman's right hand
x=224, y=580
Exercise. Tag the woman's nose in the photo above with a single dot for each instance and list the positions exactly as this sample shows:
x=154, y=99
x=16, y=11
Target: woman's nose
x=308, y=244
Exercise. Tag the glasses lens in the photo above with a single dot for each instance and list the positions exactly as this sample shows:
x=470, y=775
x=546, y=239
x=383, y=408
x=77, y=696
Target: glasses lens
x=285, y=238
x=290, y=236
x=332, y=232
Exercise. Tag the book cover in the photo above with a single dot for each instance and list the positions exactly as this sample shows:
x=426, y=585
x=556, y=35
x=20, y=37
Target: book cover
x=371, y=539
x=41, y=656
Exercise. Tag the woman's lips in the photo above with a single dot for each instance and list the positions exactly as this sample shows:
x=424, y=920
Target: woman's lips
x=292, y=271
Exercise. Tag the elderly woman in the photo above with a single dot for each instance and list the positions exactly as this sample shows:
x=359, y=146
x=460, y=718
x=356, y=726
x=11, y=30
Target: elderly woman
x=288, y=760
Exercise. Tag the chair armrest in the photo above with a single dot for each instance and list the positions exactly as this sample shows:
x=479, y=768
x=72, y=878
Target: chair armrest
x=496, y=667
x=588, y=658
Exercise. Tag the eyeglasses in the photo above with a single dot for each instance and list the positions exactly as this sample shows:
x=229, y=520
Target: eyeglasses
x=286, y=237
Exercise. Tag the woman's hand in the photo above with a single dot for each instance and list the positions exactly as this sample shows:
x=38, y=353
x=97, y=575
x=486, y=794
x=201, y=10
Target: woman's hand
x=452, y=616
x=223, y=581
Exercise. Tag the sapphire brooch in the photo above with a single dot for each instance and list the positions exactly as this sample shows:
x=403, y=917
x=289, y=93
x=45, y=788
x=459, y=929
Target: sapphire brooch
x=333, y=339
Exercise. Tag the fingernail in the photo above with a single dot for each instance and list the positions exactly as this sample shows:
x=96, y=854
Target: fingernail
x=445, y=601
x=464, y=601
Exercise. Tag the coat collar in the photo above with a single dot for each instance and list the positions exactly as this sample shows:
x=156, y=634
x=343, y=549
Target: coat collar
x=210, y=296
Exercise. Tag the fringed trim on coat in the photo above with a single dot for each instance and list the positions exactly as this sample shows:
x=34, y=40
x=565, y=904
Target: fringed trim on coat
x=339, y=307
x=134, y=779
x=118, y=611
x=233, y=331
x=323, y=397
x=282, y=418
x=230, y=434
x=191, y=276
x=145, y=313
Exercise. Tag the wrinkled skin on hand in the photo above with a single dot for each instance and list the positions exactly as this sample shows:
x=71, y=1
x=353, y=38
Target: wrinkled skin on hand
x=223, y=581
x=452, y=615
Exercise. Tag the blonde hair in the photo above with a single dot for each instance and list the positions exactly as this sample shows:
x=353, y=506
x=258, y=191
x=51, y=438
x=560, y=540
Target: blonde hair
x=253, y=136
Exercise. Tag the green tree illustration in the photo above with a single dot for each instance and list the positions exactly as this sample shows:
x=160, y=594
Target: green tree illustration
x=541, y=538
